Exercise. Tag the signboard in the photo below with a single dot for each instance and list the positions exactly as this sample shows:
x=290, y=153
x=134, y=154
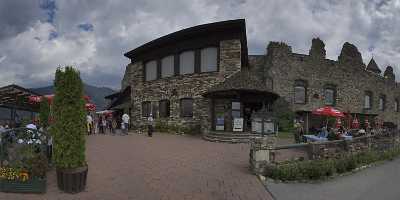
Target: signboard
x=269, y=127
x=219, y=125
x=238, y=124
x=256, y=125
x=235, y=105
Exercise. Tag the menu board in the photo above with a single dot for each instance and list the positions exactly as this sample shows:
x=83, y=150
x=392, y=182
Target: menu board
x=238, y=124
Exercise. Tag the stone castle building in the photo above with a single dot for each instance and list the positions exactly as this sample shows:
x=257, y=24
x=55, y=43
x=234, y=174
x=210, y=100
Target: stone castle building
x=203, y=76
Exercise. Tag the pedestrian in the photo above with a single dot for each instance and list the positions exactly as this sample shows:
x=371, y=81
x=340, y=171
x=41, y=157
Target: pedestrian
x=109, y=124
x=104, y=125
x=114, y=125
x=125, y=121
x=100, y=124
x=150, y=125
x=89, y=124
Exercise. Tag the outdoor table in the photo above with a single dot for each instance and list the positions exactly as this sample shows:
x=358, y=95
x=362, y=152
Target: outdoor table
x=346, y=137
x=313, y=138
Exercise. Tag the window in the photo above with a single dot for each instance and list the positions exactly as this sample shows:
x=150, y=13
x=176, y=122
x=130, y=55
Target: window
x=186, y=107
x=396, y=105
x=300, y=92
x=151, y=70
x=209, y=59
x=382, y=102
x=367, y=100
x=186, y=62
x=146, y=108
x=167, y=66
x=164, y=108
x=330, y=95
x=154, y=109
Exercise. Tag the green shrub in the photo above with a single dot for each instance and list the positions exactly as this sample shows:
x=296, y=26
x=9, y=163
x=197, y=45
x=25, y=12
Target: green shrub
x=44, y=113
x=317, y=169
x=69, y=128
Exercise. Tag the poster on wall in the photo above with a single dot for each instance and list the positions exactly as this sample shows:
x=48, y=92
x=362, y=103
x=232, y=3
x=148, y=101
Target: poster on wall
x=220, y=123
x=238, y=124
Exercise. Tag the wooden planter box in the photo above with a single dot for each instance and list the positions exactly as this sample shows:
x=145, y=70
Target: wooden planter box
x=34, y=185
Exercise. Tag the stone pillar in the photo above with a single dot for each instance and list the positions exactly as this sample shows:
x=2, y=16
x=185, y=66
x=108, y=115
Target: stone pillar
x=230, y=60
x=262, y=153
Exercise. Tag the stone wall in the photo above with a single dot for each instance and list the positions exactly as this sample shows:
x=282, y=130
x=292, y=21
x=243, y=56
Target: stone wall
x=348, y=75
x=182, y=86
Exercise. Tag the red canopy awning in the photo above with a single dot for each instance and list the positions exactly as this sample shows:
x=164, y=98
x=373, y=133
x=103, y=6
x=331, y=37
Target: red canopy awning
x=328, y=111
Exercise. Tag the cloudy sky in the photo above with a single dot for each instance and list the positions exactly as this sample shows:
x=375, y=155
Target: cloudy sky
x=37, y=36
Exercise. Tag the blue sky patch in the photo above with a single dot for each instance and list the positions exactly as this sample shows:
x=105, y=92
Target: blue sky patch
x=86, y=27
x=49, y=6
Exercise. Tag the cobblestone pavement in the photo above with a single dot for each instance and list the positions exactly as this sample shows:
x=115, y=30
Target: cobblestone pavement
x=162, y=167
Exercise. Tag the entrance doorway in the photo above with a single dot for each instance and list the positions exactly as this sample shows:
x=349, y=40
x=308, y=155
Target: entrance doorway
x=249, y=108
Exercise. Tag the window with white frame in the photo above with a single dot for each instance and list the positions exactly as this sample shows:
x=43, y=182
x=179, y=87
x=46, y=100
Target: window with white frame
x=330, y=96
x=382, y=102
x=368, y=100
x=209, y=59
x=300, y=91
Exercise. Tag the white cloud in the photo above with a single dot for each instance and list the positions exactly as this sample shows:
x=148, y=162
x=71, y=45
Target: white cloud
x=121, y=25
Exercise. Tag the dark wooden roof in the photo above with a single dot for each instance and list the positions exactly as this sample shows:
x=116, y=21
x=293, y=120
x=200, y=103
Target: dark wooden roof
x=243, y=80
x=193, y=37
x=14, y=96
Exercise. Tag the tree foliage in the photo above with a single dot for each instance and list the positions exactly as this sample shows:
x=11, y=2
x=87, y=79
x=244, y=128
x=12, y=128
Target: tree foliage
x=44, y=113
x=69, y=126
x=282, y=110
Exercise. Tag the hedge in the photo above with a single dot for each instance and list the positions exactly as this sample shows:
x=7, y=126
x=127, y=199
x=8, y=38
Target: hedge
x=318, y=169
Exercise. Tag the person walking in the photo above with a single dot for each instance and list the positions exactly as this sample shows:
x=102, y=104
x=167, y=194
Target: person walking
x=125, y=121
x=150, y=125
x=89, y=124
x=114, y=125
x=100, y=124
x=104, y=125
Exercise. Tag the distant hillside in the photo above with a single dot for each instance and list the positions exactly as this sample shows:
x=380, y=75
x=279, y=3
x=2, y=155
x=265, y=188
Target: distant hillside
x=96, y=94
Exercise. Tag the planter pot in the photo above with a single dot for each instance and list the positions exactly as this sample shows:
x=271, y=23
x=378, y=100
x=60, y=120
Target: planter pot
x=34, y=185
x=72, y=180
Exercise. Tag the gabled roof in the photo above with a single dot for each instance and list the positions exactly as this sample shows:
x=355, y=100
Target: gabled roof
x=243, y=80
x=372, y=66
x=212, y=31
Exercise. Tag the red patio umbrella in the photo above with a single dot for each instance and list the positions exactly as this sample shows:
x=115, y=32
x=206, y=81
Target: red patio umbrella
x=355, y=124
x=90, y=107
x=328, y=111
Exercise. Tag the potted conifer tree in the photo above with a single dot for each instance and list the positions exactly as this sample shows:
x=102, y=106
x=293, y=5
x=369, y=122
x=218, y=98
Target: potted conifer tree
x=68, y=131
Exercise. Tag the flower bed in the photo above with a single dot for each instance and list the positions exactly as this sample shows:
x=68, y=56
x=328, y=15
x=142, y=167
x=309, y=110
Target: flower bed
x=323, y=168
x=20, y=181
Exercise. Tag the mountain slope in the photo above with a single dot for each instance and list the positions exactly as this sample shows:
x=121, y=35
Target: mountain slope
x=96, y=94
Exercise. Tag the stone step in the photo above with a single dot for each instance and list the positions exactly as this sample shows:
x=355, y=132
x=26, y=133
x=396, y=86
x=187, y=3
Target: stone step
x=231, y=140
x=229, y=136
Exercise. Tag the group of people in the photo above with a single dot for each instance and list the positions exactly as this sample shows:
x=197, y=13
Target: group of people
x=336, y=133
x=107, y=123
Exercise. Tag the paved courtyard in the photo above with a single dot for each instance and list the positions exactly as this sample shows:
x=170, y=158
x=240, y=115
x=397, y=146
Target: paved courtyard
x=163, y=167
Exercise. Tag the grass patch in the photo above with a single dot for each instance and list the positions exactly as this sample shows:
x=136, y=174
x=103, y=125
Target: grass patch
x=285, y=135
